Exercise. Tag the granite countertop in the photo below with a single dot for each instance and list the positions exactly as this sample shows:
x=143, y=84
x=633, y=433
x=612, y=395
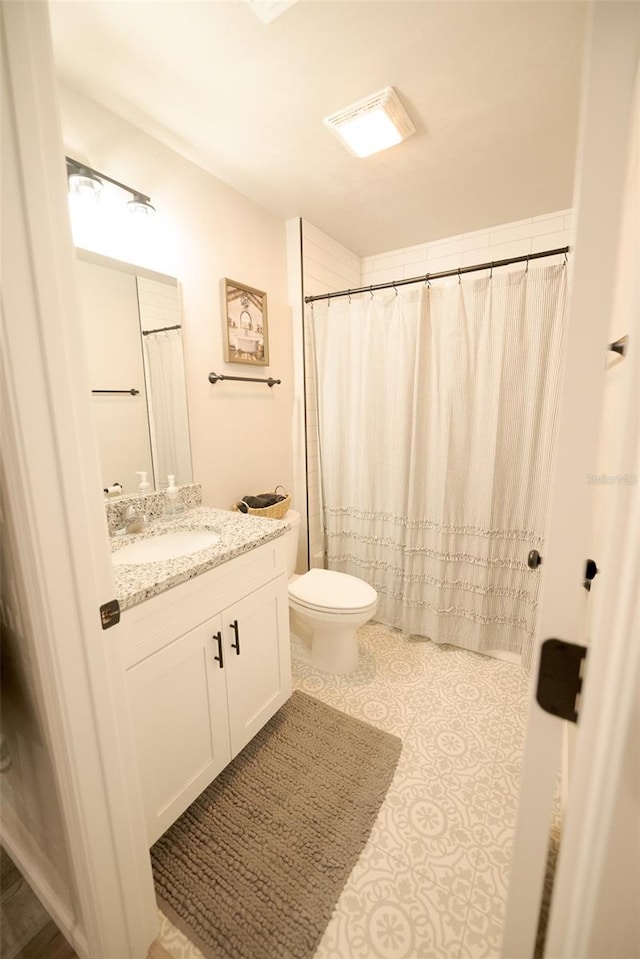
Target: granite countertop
x=239, y=533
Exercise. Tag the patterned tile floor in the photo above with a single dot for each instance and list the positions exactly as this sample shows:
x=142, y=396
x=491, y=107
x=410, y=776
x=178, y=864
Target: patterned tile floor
x=432, y=880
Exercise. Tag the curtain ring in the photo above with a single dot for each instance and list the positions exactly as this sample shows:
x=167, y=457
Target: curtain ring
x=526, y=269
x=459, y=277
x=371, y=291
x=491, y=272
x=349, y=295
x=565, y=258
x=395, y=288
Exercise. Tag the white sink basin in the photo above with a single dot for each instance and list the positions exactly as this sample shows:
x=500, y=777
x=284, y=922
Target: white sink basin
x=165, y=546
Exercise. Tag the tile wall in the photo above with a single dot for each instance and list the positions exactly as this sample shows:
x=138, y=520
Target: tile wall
x=538, y=233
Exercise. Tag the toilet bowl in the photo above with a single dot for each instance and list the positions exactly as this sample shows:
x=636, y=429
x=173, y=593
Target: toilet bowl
x=327, y=607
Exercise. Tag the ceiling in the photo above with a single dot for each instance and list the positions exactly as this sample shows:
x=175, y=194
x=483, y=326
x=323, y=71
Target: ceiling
x=492, y=88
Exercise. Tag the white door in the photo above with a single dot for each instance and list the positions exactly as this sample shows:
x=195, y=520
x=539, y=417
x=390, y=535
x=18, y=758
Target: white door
x=61, y=550
x=257, y=659
x=608, y=101
x=178, y=702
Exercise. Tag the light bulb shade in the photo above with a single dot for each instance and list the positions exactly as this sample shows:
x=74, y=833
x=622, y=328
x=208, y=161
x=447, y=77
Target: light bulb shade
x=372, y=124
x=140, y=206
x=83, y=183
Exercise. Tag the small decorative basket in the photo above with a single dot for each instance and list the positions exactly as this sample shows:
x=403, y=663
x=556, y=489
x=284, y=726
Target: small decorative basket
x=277, y=511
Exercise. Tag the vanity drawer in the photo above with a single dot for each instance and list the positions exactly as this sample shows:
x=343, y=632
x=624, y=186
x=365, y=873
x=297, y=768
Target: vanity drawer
x=158, y=621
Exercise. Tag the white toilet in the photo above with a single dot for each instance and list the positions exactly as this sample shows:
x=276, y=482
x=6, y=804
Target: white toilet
x=326, y=608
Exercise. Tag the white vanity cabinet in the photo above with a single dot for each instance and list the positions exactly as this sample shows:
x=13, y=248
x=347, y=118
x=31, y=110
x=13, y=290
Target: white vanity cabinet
x=207, y=665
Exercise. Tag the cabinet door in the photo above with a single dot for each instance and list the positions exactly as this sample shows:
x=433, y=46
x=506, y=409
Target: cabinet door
x=257, y=659
x=179, y=716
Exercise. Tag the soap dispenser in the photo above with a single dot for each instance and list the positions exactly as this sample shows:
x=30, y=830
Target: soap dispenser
x=144, y=486
x=171, y=493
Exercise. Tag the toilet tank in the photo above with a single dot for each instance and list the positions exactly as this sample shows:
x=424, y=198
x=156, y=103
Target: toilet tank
x=291, y=539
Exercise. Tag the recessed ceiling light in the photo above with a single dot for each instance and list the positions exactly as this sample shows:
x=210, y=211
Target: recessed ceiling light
x=268, y=10
x=372, y=124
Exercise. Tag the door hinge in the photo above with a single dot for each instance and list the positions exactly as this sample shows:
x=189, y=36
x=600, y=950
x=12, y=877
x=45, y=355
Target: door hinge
x=110, y=614
x=560, y=678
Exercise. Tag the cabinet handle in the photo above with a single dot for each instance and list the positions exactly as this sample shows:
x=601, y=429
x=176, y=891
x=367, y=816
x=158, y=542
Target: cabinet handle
x=236, y=645
x=218, y=658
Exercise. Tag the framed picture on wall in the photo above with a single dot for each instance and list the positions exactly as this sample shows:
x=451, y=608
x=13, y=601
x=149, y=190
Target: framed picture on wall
x=245, y=324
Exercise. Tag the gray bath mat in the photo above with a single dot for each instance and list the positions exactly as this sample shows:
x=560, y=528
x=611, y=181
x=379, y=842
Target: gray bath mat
x=255, y=866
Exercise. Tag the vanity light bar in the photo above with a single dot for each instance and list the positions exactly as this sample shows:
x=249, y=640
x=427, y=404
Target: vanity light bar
x=140, y=203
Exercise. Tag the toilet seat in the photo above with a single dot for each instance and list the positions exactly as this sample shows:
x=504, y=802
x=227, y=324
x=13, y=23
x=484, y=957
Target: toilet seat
x=327, y=591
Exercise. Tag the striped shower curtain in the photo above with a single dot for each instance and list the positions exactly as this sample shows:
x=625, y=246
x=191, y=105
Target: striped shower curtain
x=436, y=420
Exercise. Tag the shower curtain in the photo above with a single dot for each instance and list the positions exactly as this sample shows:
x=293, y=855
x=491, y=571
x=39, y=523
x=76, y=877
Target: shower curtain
x=436, y=415
x=166, y=391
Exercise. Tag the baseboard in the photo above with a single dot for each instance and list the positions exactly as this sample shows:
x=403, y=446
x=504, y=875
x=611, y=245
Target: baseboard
x=504, y=656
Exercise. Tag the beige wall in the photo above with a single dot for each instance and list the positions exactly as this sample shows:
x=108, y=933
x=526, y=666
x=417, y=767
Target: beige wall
x=204, y=231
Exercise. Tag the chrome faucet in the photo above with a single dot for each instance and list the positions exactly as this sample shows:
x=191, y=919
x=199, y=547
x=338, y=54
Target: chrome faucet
x=135, y=520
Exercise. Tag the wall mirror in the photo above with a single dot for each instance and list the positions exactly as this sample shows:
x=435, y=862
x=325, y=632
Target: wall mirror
x=133, y=334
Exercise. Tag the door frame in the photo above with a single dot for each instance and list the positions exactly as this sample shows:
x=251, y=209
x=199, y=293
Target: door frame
x=53, y=492
x=602, y=787
x=607, y=108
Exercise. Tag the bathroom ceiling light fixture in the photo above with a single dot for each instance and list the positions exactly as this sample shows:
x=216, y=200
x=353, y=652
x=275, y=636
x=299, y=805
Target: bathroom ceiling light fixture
x=372, y=124
x=84, y=179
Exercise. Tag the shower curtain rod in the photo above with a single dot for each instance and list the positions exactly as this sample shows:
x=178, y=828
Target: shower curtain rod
x=438, y=276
